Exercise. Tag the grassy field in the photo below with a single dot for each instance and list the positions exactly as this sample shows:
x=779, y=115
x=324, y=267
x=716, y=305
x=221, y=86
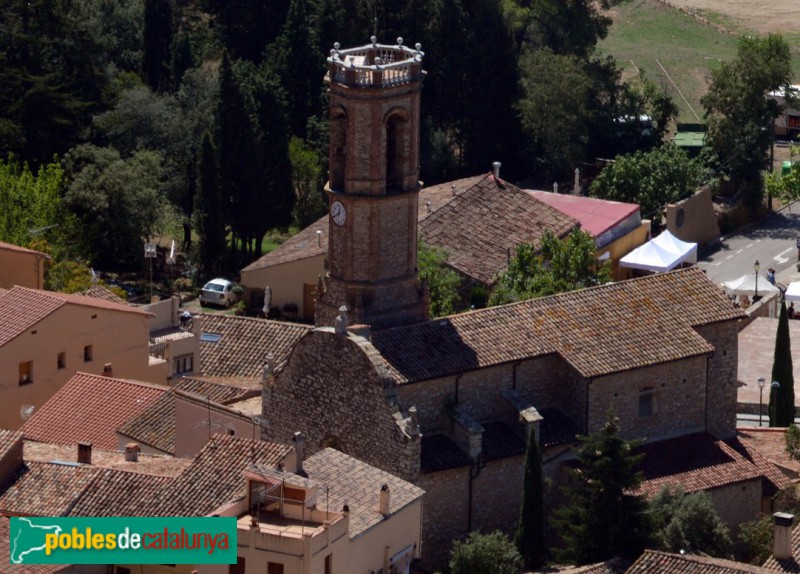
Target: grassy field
x=646, y=33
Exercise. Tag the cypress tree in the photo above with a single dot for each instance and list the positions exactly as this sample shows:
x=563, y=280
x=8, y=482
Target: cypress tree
x=603, y=519
x=208, y=213
x=781, y=401
x=530, y=533
x=157, y=41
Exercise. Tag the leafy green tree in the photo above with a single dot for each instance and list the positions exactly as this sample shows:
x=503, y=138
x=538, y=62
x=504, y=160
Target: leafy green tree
x=568, y=27
x=118, y=201
x=530, y=537
x=246, y=27
x=484, y=553
x=443, y=282
x=556, y=266
x=30, y=205
x=793, y=441
x=208, y=220
x=307, y=183
x=689, y=522
x=116, y=29
x=650, y=179
x=603, y=518
x=67, y=276
x=781, y=401
x=740, y=116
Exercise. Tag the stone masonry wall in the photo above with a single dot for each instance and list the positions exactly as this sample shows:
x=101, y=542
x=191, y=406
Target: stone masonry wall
x=679, y=400
x=335, y=389
x=444, y=512
x=723, y=370
x=497, y=495
x=738, y=503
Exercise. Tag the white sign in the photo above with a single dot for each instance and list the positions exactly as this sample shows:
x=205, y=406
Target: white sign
x=150, y=250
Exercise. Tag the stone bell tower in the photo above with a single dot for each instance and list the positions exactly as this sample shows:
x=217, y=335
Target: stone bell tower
x=373, y=186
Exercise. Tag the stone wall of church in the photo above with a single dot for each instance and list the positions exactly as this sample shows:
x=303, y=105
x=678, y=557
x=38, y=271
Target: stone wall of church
x=336, y=390
x=738, y=503
x=723, y=368
x=677, y=393
x=497, y=495
x=444, y=511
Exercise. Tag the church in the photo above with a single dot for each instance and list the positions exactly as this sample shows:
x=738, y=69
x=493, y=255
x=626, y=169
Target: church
x=448, y=404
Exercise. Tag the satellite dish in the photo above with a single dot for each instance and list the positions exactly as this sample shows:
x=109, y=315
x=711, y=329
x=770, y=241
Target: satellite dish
x=26, y=411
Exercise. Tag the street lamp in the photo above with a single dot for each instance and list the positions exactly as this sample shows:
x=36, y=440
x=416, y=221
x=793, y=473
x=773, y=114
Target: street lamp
x=774, y=387
x=756, y=267
x=761, y=382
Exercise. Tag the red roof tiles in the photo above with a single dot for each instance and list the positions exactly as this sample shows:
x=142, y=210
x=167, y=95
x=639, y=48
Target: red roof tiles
x=90, y=408
x=482, y=226
x=598, y=331
x=657, y=562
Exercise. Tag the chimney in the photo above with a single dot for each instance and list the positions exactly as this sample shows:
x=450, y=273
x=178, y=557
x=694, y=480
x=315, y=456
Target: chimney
x=428, y=206
x=496, y=168
x=299, y=451
x=85, y=452
x=319, y=238
x=132, y=452
x=108, y=370
x=453, y=189
x=385, y=498
x=340, y=323
x=782, y=544
x=268, y=371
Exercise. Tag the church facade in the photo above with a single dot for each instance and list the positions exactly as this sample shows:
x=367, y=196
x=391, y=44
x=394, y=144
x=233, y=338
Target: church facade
x=448, y=404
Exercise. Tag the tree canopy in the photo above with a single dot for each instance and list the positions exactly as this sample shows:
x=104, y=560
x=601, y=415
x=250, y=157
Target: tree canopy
x=556, y=266
x=690, y=523
x=781, y=400
x=483, y=553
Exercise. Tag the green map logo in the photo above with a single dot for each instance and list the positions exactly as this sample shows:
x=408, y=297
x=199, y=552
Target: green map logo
x=123, y=540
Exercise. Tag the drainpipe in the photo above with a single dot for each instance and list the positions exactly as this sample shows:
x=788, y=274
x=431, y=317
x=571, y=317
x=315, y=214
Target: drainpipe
x=586, y=419
x=474, y=472
x=458, y=378
x=705, y=410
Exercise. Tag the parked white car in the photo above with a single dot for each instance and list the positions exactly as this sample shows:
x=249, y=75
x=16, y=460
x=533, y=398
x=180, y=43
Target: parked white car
x=219, y=292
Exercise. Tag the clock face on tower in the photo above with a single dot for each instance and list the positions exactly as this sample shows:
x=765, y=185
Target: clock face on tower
x=338, y=213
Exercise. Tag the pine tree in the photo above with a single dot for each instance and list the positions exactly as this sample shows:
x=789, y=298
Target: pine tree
x=530, y=533
x=603, y=519
x=208, y=213
x=781, y=400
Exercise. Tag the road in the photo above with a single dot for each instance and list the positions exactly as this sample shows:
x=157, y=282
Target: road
x=772, y=242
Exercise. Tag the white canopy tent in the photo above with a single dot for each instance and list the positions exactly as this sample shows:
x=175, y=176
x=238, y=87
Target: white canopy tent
x=746, y=285
x=792, y=291
x=660, y=254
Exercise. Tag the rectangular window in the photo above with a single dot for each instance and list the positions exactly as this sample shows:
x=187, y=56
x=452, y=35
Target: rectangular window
x=237, y=568
x=274, y=568
x=26, y=373
x=62, y=360
x=87, y=354
x=328, y=565
x=646, y=403
x=121, y=570
x=183, y=364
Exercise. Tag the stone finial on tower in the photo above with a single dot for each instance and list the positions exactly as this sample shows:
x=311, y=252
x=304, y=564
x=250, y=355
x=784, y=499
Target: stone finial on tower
x=340, y=324
x=269, y=369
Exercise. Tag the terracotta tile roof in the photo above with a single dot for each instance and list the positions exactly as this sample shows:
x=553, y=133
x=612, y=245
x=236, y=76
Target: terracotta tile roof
x=439, y=452
x=8, y=439
x=155, y=425
x=217, y=392
x=12, y=247
x=119, y=493
x=613, y=566
x=499, y=441
x=215, y=476
x=358, y=484
x=21, y=308
x=150, y=464
x=306, y=244
x=771, y=444
x=702, y=462
x=480, y=227
x=100, y=292
x=5, y=549
x=657, y=562
x=90, y=408
x=556, y=428
x=303, y=245
x=598, y=331
x=46, y=489
x=244, y=344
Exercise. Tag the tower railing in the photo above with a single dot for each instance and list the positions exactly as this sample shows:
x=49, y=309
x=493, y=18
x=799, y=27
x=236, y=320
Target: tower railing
x=376, y=65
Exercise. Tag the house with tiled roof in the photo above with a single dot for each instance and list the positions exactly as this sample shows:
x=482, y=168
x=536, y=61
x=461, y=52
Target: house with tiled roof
x=21, y=266
x=329, y=509
x=45, y=337
x=657, y=562
x=89, y=408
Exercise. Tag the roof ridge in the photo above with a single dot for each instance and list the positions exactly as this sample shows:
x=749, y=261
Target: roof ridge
x=136, y=382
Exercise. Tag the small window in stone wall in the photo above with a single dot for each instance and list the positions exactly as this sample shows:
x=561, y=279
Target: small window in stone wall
x=26, y=373
x=647, y=402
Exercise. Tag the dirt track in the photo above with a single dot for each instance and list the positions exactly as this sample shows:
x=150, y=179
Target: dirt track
x=762, y=16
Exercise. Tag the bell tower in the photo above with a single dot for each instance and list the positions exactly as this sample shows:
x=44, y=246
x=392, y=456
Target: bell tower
x=373, y=186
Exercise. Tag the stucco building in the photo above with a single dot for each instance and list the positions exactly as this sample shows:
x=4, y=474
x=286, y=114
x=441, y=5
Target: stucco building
x=448, y=404
x=21, y=266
